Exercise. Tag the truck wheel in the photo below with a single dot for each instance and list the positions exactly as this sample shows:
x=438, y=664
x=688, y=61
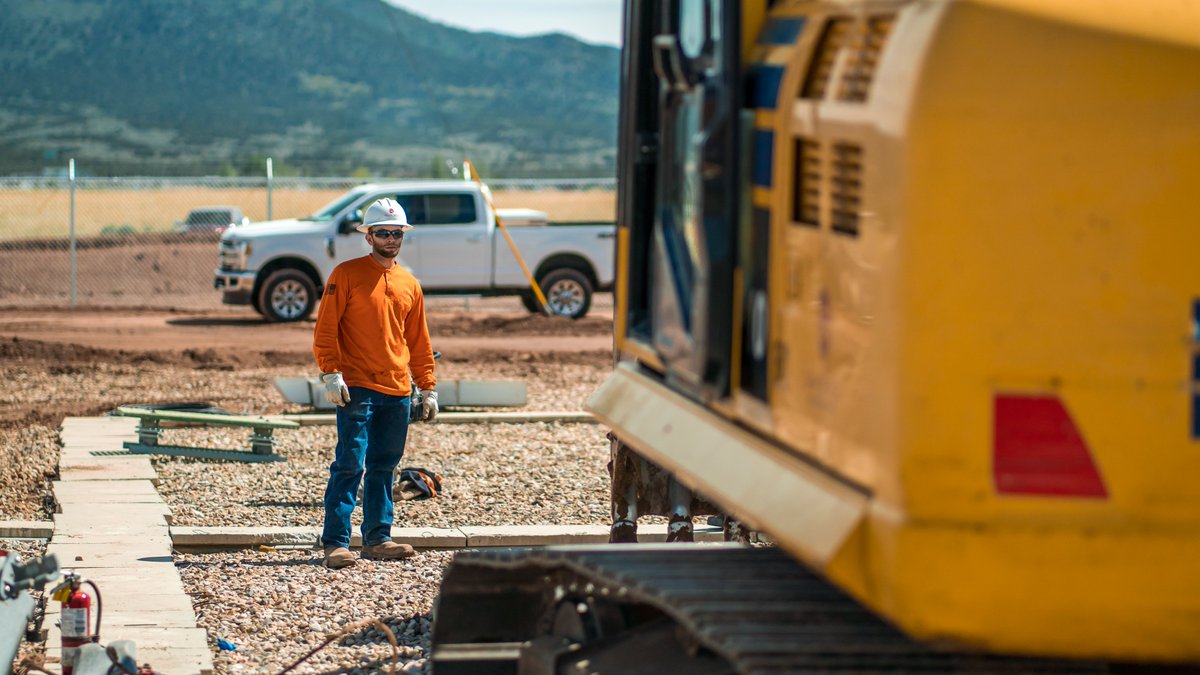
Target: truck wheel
x=287, y=295
x=568, y=292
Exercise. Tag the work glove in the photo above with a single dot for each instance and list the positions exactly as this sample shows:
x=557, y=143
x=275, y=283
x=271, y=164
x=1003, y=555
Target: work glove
x=336, y=391
x=429, y=406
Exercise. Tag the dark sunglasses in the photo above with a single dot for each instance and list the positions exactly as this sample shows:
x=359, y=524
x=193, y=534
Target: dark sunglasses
x=384, y=234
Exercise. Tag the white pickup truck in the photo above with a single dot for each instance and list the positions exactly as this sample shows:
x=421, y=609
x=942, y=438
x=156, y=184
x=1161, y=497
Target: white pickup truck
x=455, y=248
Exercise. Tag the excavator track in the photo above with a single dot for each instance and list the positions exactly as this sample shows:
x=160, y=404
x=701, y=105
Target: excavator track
x=674, y=609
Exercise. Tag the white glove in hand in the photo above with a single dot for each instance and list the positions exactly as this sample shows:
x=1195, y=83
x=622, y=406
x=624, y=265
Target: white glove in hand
x=429, y=406
x=336, y=391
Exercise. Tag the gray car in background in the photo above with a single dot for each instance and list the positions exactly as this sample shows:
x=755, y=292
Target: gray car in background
x=213, y=219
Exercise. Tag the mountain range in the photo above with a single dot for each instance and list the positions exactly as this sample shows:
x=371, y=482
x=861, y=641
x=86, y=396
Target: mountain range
x=324, y=87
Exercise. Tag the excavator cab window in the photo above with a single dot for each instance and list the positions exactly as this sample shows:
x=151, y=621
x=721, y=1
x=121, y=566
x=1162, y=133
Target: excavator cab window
x=680, y=113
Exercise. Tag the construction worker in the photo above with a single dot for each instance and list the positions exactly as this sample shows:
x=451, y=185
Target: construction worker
x=370, y=334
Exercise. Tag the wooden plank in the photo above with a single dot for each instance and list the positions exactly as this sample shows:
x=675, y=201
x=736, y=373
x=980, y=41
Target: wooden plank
x=207, y=418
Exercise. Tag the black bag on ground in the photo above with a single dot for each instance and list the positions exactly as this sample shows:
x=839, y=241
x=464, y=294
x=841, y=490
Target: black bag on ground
x=415, y=484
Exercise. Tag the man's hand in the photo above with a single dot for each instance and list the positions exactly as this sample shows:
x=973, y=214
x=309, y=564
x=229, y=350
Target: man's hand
x=429, y=406
x=336, y=391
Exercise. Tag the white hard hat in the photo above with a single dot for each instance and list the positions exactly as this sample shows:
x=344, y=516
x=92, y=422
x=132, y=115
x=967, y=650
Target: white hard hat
x=384, y=212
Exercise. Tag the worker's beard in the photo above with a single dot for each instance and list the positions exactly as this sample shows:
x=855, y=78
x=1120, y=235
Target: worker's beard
x=383, y=251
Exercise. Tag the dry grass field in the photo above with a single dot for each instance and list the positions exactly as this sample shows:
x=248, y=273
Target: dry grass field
x=44, y=213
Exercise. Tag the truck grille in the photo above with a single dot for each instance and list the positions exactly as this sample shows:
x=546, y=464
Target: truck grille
x=231, y=257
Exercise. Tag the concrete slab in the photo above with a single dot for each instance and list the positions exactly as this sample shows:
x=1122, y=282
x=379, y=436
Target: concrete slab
x=178, y=650
x=158, y=580
x=153, y=637
x=148, y=637
x=177, y=661
x=93, y=468
x=26, y=529
x=534, y=535
x=515, y=418
x=116, y=514
x=110, y=537
x=245, y=536
x=83, y=449
x=430, y=537
x=134, y=555
x=106, y=492
x=85, y=432
x=98, y=421
x=125, y=600
x=115, y=617
x=103, y=434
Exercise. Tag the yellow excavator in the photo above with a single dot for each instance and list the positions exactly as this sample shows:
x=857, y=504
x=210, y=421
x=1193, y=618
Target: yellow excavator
x=910, y=288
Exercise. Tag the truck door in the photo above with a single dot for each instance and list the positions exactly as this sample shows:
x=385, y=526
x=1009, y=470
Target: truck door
x=453, y=245
x=410, y=251
x=680, y=187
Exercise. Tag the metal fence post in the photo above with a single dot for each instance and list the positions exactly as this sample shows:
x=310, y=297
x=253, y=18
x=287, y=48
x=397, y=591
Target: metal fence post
x=74, y=265
x=270, y=183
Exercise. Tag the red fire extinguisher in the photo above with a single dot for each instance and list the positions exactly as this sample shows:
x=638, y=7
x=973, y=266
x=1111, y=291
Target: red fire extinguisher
x=76, y=617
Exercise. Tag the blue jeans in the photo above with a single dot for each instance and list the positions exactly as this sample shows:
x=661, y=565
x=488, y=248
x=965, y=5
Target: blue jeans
x=372, y=429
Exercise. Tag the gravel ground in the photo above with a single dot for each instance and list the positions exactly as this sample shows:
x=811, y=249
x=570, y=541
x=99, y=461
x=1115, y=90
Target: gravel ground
x=277, y=605
x=28, y=462
x=492, y=474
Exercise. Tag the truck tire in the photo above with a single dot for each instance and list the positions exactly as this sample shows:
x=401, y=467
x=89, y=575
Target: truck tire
x=568, y=292
x=287, y=295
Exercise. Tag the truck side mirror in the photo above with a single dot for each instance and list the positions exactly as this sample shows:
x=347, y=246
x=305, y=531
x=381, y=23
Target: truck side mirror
x=350, y=221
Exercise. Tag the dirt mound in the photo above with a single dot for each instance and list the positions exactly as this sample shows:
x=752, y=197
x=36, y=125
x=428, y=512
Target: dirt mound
x=459, y=325
x=61, y=358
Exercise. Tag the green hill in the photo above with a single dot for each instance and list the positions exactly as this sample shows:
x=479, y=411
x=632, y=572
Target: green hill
x=326, y=87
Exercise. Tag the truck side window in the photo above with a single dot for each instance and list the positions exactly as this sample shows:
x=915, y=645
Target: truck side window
x=414, y=208
x=451, y=209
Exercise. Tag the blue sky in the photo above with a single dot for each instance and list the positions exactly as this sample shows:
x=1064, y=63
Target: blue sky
x=595, y=21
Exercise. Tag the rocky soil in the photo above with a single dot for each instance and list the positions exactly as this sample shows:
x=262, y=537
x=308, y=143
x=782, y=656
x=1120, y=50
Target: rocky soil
x=274, y=606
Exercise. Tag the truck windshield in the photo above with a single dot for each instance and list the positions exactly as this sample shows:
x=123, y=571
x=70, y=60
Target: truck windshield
x=334, y=207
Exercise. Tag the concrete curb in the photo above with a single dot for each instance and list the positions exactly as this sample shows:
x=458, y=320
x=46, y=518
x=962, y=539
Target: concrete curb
x=502, y=536
x=26, y=529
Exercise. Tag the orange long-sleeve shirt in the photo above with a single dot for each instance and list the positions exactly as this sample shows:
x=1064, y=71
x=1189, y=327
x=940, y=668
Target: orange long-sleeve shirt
x=371, y=327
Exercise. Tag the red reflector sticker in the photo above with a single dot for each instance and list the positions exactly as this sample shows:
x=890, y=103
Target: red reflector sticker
x=1038, y=450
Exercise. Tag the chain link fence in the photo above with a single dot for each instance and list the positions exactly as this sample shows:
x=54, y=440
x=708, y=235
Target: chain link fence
x=128, y=242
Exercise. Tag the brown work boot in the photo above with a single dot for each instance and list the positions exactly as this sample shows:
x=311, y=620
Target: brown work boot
x=337, y=557
x=388, y=550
